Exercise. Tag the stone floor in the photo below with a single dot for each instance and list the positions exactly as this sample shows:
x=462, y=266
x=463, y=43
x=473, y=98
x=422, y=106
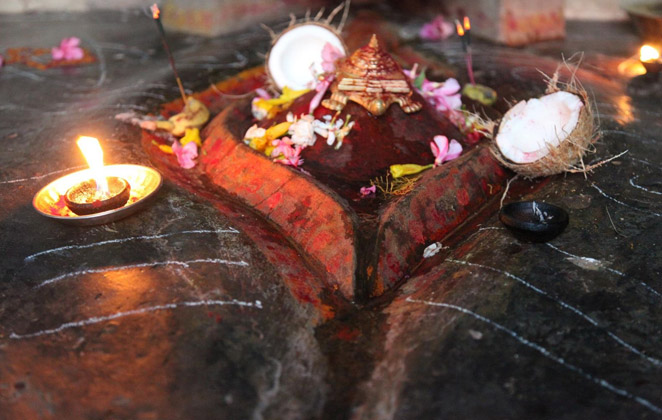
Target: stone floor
x=185, y=310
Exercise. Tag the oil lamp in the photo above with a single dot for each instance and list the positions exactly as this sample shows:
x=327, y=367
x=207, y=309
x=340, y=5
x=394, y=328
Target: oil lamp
x=97, y=195
x=101, y=193
x=650, y=59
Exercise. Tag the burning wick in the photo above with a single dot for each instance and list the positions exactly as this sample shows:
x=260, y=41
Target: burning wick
x=100, y=193
x=650, y=58
x=464, y=31
x=94, y=156
x=156, y=15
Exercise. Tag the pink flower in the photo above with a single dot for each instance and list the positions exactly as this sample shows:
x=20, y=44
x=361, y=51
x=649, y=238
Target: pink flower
x=443, y=151
x=437, y=29
x=330, y=53
x=263, y=94
x=68, y=50
x=321, y=88
x=366, y=191
x=444, y=96
x=185, y=154
x=285, y=153
x=288, y=155
x=282, y=147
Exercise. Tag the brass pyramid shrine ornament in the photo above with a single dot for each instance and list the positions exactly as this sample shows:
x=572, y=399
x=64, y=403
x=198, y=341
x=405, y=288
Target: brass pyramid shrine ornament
x=371, y=78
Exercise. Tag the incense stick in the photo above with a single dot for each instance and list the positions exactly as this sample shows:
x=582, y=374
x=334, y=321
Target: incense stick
x=464, y=31
x=156, y=15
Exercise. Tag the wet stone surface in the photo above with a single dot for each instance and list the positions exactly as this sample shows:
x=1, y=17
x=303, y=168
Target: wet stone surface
x=197, y=308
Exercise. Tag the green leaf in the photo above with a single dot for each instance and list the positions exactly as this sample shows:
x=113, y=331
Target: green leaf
x=418, y=82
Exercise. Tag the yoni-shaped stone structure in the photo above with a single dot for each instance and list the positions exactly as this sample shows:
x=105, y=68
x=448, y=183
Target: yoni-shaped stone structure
x=361, y=246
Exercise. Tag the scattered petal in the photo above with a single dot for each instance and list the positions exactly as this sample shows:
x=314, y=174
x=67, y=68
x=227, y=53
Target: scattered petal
x=439, y=28
x=454, y=150
x=278, y=130
x=367, y=191
x=258, y=143
x=185, y=154
x=328, y=128
x=401, y=170
x=321, y=88
x=439, y=149
x=292, y=157
x=444, y=151
x=166, y=149
x=445, y=97
x=330, y=54
x=67, y=50
x=191, y=135
x=255, y=131
x=263, y=108
x=282, y=147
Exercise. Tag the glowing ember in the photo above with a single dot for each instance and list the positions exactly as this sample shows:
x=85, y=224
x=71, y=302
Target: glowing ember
x=94, y=156
x=155, y=11
x=649, y=53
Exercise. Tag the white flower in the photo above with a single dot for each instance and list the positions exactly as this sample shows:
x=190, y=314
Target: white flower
x=327, y=128
x=255, y=132
x=301, y=131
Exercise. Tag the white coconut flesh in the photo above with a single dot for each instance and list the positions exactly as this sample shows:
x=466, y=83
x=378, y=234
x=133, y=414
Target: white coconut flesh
x=530, y=128
x=296, y=56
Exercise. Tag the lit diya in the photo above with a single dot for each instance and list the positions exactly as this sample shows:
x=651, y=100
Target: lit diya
x=650, y=59
x=100, y=194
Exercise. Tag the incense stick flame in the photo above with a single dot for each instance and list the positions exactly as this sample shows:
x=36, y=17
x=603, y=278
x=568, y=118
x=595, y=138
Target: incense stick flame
x=648, y=53
x=467, y=23
x=155, y=11
x=460, y=29
x=94, y=156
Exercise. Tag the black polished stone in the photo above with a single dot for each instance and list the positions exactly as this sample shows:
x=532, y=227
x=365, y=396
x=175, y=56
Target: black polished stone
x=183, y=310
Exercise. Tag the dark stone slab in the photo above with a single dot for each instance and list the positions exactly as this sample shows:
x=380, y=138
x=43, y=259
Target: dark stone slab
x=527, y=330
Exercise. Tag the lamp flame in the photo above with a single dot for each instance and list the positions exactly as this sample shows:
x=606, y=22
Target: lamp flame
x=155, y=11
x=467, y=23
x=460, y=29
x=94, y=156
x=648, y=53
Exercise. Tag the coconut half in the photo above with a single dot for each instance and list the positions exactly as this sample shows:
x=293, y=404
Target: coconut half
x=547, y=135
x=531, y=127
x=296, y=55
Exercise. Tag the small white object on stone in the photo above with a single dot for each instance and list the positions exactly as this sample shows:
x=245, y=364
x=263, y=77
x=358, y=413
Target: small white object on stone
x=432, y=250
